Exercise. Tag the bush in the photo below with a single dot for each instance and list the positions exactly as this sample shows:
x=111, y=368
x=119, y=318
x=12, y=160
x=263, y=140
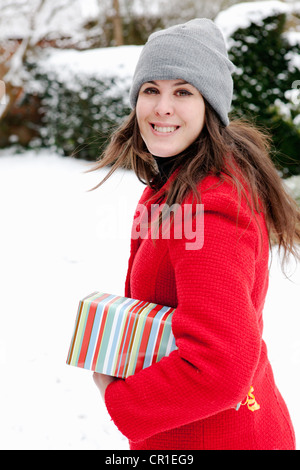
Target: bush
x=262, y=81
x=78, y=119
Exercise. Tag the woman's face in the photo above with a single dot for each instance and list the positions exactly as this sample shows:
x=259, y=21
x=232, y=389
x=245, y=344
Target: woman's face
x=170, y=115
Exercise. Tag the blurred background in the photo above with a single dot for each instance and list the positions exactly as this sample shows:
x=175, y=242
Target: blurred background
x=67, y=69
x=65, y=73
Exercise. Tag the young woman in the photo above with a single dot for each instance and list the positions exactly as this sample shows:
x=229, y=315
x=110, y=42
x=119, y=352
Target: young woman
x=179, y=141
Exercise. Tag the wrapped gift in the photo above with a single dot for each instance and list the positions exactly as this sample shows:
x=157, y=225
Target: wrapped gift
x=119, y=336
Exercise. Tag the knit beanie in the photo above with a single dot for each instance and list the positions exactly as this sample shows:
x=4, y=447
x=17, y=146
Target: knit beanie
x=194, y=52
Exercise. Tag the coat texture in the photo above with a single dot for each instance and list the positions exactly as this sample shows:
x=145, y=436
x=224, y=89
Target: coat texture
x=188, y=400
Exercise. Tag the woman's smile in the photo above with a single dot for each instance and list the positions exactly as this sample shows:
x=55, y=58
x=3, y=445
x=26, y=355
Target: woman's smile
x=165, y=129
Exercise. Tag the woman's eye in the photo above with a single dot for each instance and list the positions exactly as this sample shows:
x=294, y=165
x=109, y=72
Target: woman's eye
x=183, y=93
x=150, y=91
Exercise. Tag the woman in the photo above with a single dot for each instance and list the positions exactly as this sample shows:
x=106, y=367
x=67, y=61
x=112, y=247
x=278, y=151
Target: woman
x=179, y=141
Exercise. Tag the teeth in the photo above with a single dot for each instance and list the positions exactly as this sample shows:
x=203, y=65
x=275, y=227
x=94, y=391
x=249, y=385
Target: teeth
x=165, y=129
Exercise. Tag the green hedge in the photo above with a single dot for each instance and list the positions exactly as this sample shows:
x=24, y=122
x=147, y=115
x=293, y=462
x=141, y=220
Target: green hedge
x=78, y=120
x=260, y=85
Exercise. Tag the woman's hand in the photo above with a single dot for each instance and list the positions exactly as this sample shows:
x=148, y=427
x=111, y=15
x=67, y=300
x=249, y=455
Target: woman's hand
x=102, y=381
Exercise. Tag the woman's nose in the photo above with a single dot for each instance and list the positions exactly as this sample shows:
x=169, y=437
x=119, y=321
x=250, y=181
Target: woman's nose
x=164, y=106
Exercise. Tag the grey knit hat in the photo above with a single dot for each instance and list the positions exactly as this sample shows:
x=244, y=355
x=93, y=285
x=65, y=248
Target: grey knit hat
x=194, y=52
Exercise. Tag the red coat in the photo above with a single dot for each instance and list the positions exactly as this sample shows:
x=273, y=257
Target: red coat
x=188, y=400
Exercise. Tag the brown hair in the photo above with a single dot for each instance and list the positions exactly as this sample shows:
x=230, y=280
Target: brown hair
x=240, y=152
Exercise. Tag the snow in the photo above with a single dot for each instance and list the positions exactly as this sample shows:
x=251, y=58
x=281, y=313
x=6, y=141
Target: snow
x=293, y=37
x=60, y=242
x=112, y=62
x=294, y=61
x=55, y=249
x=63, y=18
x=57, y=18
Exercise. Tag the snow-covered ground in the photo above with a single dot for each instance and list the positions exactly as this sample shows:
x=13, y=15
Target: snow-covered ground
x=58, y=243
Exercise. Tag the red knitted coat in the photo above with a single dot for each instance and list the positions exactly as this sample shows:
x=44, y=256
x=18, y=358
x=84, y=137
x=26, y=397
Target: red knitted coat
x=188, y=400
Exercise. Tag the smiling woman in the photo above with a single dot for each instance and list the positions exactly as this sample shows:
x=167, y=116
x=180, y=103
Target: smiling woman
x=170, y=117
x=181, y=144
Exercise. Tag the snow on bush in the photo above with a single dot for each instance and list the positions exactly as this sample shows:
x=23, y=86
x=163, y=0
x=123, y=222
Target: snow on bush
x=84, y=96
x=241, y=16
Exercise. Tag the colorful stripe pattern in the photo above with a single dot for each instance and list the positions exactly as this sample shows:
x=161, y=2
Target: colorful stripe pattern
x=119, y=336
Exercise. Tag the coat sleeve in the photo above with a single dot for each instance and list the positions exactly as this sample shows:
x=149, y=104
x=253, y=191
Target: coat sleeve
x=215, y=326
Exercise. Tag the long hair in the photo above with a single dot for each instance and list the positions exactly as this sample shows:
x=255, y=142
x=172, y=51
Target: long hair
x=239, y=152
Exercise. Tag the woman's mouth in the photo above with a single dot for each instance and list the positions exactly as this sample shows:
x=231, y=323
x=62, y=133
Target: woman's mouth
x=164, y=129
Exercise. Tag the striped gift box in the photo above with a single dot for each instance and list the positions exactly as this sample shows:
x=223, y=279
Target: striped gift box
x=119, y=336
